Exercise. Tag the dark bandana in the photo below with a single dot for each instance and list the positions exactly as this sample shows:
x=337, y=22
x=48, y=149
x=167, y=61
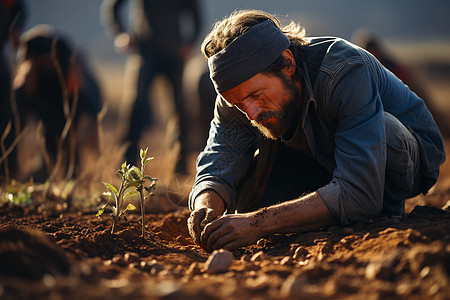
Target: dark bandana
x=247, y=55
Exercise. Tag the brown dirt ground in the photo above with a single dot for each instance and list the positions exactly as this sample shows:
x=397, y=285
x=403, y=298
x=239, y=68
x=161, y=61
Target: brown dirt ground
x=50, y=250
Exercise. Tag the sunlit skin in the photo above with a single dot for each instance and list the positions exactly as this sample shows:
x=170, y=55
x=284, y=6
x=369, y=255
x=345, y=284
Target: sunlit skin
x=268, y=102
x=208, y=226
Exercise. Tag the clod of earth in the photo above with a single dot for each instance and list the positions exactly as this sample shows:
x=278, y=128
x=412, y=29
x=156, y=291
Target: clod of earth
x=73, y=255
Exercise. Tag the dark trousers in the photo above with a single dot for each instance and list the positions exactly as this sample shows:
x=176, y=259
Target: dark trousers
x=294, y=173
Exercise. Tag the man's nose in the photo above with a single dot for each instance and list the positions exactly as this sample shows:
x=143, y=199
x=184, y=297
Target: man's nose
x=252, y=111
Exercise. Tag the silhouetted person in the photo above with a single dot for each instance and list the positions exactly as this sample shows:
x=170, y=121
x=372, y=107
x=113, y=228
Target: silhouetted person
x=163, y=34
x=50, y=67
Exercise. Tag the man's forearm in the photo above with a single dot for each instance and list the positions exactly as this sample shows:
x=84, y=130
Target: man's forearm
x=299, y=215
x=209, y=199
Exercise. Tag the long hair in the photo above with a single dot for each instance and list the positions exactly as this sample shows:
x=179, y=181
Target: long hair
x=239, y=22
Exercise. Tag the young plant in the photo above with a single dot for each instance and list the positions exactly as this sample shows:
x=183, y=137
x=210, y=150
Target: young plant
x=131, y=178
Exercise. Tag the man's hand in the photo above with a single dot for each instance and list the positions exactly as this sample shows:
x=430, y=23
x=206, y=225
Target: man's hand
x=238, y=230
x=197, y=221
x=232, y=231
x=207, y=207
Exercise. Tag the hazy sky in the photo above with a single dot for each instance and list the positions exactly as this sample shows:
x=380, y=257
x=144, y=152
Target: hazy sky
x=398, y=19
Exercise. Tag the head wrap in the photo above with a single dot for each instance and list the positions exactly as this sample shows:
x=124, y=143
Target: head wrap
x=247, y=55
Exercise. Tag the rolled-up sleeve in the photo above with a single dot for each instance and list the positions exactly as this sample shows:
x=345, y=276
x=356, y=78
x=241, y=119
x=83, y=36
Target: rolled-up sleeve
x=356, y=190
x=228, y=153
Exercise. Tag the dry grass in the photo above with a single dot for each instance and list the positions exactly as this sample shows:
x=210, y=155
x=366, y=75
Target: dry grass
x=96, y=169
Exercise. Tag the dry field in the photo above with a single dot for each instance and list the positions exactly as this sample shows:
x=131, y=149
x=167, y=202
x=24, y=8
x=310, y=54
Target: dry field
x=56, y=248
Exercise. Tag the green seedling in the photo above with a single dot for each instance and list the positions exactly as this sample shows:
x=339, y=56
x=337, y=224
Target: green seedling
x=22, y=198
x=131, y=178
x=20, y=194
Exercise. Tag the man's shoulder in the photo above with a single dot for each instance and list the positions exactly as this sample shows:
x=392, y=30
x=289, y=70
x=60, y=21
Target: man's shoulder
x=334, y=53
x=329, y=42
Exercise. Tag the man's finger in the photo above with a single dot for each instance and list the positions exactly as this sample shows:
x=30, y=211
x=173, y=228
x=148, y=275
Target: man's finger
x=231, y=246
x=223, y=241
x=210, y=216
x=194, y=221
x=211, y=232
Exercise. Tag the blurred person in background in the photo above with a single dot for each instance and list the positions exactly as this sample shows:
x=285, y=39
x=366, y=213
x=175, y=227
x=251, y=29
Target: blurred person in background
x=372, y=42
x=163, y=36
x=12, y=21
x=53, y=84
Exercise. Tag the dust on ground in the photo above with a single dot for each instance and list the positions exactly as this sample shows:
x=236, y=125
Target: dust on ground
x=53, y=249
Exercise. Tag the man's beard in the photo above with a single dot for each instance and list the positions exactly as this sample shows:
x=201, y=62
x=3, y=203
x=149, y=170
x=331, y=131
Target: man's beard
x=286, y=116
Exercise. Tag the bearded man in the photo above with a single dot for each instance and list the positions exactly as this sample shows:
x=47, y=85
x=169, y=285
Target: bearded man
x=307, y=133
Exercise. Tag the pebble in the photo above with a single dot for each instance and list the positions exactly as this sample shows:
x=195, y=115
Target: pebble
x=446, y=206
x=151, y=266
x=325, y=248
x=378, y=270
x=245, y=258
x=219, y=261
x=49, y=280
x=131, y=257
x=300, y=253
x=297, y=287
x=425, y=272
x=293, y=248
x=155, y=267
x=262, y=243
x=118, y=260
x=145, y=266
x=259, y=256
x=164, y=273
x=367, y=236
x=372, y=270
x=194, y=269
x=286, y=261
x=348, y=240
x=388, y=230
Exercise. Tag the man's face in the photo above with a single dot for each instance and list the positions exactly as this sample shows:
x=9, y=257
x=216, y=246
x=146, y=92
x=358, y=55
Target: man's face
x=271, y=103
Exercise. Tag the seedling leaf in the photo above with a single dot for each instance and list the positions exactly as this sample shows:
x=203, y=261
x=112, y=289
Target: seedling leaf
x=134, y=192
x=112, y=188
x=130, y=207
x=148, y=160
x=124, y=168
x=143, y=153
x=135, y=174
x=131, y=177
x=101, y=210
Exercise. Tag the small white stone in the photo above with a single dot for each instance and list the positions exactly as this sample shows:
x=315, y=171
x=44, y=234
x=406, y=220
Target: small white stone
x=259, y=256
x=219, y=261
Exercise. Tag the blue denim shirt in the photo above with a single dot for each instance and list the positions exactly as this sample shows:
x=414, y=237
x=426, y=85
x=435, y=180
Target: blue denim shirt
x=345, y=92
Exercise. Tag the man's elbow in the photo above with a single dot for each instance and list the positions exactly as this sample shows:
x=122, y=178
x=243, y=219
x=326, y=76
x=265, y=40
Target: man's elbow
x=364, y=209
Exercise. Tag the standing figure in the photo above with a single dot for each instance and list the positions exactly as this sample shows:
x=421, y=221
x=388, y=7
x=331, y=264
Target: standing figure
x=163, y=35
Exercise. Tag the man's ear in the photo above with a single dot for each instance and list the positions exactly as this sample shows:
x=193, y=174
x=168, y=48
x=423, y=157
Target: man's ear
x=289, y=57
